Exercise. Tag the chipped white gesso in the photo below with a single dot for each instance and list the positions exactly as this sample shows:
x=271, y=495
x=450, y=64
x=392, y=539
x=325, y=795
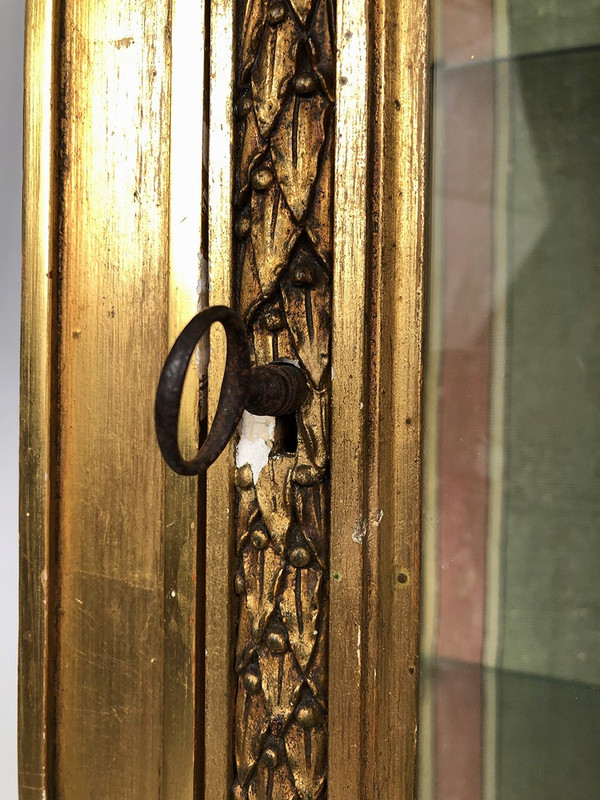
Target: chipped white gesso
x=255, y=442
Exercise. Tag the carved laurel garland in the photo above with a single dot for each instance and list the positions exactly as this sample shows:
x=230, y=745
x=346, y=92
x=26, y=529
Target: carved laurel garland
x=283, y=202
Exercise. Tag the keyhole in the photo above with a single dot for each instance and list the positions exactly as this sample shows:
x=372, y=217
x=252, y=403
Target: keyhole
x=286, y=433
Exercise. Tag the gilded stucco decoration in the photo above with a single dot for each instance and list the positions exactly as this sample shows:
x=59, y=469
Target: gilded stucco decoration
x=283, y=218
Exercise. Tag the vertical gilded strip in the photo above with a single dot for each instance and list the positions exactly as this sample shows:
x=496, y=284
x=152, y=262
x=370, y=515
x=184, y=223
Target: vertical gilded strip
x=349, y=519
x=187, y=282
x=400, y=34
x=113, y=261
x=219, y=481
x=37, y=471
x=119, y=554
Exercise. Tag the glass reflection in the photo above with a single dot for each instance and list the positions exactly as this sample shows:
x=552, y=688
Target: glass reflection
x=511, y=623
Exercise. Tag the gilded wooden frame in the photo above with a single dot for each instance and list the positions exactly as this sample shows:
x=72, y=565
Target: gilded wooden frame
x=114, y=263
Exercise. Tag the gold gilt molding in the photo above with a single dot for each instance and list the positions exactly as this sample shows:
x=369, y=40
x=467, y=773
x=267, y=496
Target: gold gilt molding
x=309, y=687
x=283, y=197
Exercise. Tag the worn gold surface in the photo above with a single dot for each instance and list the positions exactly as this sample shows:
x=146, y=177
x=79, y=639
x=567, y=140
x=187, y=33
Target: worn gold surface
x=377, y=322
x=114, y=292
x=187, y=288
x=116, y=546
x=109, y=534
x=283, y=206
x=349, y=513
x=219, y=687
x=396, y=297
x=36, y=449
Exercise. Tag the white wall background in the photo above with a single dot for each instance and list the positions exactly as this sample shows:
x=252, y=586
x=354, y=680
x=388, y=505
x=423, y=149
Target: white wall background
x=11, y=124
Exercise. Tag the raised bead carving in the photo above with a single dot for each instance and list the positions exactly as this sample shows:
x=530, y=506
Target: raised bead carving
x=283, y=210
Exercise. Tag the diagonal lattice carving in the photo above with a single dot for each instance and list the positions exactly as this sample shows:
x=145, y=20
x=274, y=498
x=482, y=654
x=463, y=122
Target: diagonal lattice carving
x=283, y=214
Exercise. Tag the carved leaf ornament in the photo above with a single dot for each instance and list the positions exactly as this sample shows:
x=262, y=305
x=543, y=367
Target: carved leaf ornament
x=283, y=210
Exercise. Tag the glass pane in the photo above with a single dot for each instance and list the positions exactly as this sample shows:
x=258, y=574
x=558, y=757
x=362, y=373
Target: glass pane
x=511, y=619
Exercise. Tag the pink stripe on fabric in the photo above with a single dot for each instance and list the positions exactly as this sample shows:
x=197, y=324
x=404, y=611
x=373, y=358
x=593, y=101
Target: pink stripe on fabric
x=467, y=31
x=458, y=743
x=464, y=406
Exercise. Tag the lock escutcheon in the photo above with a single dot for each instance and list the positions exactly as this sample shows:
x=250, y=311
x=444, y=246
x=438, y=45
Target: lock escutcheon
x=270, y=390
